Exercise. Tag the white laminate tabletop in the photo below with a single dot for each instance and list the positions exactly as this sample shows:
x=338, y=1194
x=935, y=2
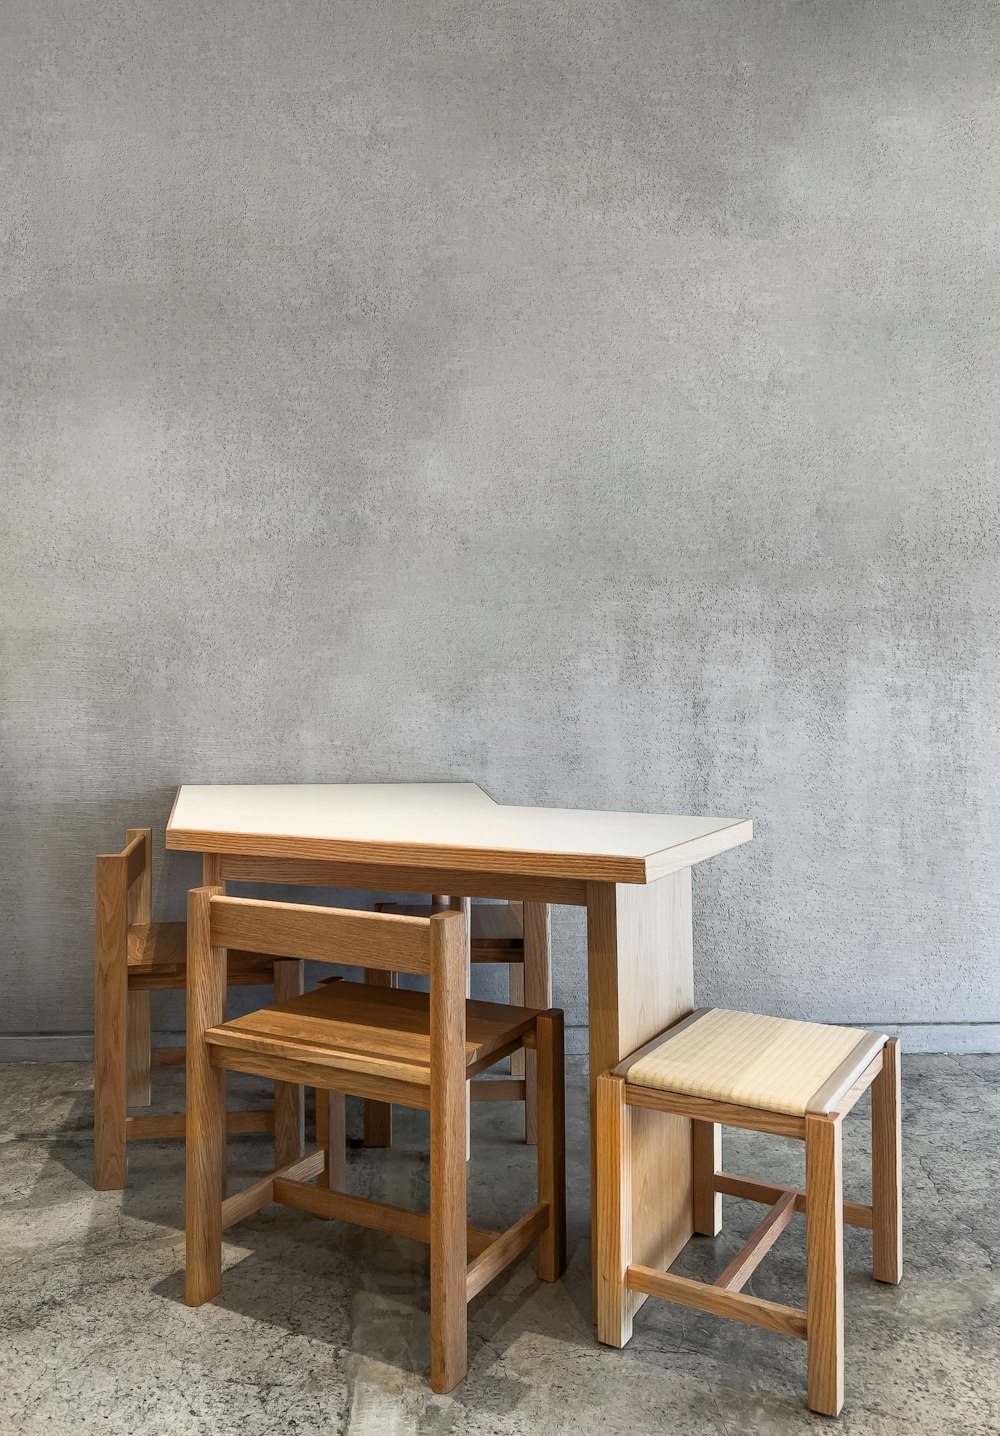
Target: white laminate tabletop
x=447, y=824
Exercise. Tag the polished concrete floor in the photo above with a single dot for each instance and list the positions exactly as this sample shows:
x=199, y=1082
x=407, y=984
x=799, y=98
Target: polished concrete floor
x=322, y=1328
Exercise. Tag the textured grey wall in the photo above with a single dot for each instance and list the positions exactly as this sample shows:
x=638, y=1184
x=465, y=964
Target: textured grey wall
x=596, y=400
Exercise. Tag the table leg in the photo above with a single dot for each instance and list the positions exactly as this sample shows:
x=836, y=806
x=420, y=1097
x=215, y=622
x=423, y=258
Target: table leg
x=641, y=979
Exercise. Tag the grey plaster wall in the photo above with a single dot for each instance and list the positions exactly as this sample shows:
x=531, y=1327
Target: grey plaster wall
x=594, y=400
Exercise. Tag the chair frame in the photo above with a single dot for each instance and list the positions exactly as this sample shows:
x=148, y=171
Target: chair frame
x=123, y=1051
x=530, y=985
x=434, y=947
x=623, y=1286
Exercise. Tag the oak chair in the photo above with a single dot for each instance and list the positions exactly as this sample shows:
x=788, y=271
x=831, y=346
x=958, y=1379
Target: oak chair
x=133, y=957
x=380, y=1043
x=768, y=1074
x=516, y=934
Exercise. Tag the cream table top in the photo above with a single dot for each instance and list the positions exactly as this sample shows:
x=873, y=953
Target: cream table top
x=444, y=825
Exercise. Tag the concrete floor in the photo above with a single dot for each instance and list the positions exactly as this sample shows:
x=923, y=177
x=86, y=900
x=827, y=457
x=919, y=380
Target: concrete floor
x=322, y=1328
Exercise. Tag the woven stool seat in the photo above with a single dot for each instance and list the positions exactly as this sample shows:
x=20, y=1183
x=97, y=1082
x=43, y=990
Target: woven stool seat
x=771, y=1063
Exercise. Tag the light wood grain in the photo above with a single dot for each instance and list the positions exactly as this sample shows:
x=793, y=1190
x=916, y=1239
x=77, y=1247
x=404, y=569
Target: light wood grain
x=174, y=1124
x=375, y=1216
x=448, y=1151
x=289, y=1097
x=537, y=919
x=378, y=877
x=772, y=1316
x=641, y=976
x=706, y=1160
x=260, y=1194
x=887, y=1169
x=138, y=1044
x=355, y=1082
x=825, y=1264
x=377, y=1116
x=206, y=1106
x=498, y=1089
x=110, y=990
x=856, y=1214
x=612, y=1204
x=758, y=1244
x=320, y=934
x=506, y=1249
x=138, y=1050
x=331, y=1137
x=754, y=1119
x=551, y=1142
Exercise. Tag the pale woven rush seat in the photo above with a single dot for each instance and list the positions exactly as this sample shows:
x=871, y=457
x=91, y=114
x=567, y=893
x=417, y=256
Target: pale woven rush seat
x=775, y=1064
x=720, y=1068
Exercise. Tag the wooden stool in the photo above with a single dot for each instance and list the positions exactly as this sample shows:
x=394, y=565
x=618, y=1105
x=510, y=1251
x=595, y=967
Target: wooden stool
x=134, y=956
x=514, y=933
x=415, y=1048
x=795, y=1079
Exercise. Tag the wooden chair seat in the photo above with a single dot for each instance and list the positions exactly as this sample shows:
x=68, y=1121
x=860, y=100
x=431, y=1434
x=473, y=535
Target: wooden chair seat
x=383, y=1032
x=773, y=1064
x=157, y=958
x=496, y=930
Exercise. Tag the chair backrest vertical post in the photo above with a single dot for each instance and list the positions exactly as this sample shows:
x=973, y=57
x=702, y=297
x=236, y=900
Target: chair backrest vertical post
x=140, y=892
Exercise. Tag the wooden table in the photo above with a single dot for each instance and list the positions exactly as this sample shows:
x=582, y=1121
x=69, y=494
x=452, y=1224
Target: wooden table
x=631, y=871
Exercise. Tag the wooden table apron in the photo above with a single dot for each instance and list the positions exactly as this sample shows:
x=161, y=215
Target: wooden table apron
x=640, y=979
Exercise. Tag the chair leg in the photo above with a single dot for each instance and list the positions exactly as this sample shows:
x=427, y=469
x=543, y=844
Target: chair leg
x=138, y=1050
x=377, y=1116
x=551, y=1144
x=825, y=1264
x=205, y=1125
x=706, y=1160
x=110, y=1009
x=613, y=1211
x=537, y=983
x=331, y=1135
x=449, y=1318
x=289, y=1097
x=887, y=1169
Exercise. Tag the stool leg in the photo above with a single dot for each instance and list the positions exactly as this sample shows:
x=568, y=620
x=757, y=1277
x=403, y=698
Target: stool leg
x=551, y=1144
x=110, y=1024
x=331, y=1135
x=887, y=1169
x=825, y=1263
x=613, y=1211
x=289, y=1097
x=706, y=1160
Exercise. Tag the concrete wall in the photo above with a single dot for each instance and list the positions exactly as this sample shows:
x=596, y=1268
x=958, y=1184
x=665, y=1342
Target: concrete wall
x=598, y=401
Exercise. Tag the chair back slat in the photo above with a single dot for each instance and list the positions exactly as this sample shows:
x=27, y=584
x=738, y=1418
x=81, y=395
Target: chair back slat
x=322, y=934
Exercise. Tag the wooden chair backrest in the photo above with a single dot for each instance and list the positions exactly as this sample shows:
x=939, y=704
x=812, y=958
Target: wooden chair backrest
x=433, y=947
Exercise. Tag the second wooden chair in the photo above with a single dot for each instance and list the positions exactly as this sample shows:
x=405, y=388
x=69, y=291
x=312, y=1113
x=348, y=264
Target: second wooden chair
x=413, y=1048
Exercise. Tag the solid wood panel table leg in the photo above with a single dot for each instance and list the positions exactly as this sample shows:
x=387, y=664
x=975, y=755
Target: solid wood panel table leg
x=377, y=1118
x=641, y=979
